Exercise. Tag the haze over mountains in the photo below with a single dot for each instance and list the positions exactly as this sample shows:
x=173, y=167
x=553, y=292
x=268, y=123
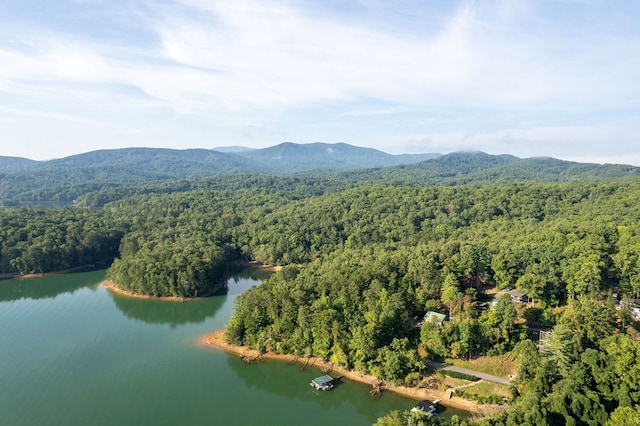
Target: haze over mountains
x=62, y=180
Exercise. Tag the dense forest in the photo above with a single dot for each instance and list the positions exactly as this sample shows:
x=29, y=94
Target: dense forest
x=365, y=260
x=403, y=251
x=37, y=240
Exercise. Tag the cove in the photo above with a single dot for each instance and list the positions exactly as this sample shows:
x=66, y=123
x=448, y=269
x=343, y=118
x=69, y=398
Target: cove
x=72, y=353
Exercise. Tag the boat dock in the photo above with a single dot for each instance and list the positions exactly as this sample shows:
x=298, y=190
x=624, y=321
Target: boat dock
x=324, y=383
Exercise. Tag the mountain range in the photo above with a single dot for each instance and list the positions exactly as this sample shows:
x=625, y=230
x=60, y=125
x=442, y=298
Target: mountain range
x=285, y=158
x=62, y=180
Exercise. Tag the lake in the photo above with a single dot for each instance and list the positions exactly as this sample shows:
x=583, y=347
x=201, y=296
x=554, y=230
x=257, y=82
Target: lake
x=72, y=353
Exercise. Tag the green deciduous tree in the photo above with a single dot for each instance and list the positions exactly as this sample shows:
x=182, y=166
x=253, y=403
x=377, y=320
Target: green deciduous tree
x=450, y=292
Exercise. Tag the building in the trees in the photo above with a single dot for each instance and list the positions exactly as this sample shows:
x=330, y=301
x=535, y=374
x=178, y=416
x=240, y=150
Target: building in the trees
x=518, y=297
x=435, y=318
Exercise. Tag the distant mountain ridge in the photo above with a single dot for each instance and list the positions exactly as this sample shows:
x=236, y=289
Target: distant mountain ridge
x=285, y=158
x=64, y=179
x=13, y=164
x=24, y=180
x=319, y=156
x=154, y=161
x=460, y=168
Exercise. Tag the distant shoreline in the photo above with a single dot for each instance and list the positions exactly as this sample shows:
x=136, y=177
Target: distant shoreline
x=44, y=274
x=216, y=340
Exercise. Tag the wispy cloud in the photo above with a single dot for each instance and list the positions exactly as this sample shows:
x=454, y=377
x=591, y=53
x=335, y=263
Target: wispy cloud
x=246, y=55
x=586, y=142
x=7, y=112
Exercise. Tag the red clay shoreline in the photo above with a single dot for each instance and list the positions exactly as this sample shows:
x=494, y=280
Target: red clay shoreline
x=216, y=340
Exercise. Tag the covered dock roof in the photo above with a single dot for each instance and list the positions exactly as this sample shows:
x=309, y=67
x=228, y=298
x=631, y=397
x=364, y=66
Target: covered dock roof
x=322, y=380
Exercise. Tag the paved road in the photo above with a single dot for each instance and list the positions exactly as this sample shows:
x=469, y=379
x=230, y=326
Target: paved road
x=484, y=376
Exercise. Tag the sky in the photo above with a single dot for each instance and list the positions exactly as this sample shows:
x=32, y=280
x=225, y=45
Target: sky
x=557, y=78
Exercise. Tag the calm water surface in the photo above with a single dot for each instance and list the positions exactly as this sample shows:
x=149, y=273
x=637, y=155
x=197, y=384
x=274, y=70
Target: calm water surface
x=71, y=353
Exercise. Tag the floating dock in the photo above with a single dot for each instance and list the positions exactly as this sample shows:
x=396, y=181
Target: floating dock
x=324, y=383
x=427, y=407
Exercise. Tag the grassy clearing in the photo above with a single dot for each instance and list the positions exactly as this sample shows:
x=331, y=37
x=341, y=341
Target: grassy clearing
x=500, y=365
x=453, y=383
x=487, y=389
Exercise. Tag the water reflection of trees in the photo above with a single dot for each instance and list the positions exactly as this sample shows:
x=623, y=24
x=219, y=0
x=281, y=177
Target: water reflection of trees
x=192, y=311
x=169, y=312
x=240, y=272
x=47, y=287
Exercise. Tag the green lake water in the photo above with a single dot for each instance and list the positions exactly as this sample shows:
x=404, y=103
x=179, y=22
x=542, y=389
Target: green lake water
x=72, y=353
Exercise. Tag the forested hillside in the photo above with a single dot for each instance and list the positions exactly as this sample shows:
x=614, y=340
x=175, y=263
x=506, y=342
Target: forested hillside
x=36, y=240
x=62, y=180
x=291, y=158
x=110, y=174
x=12, y=164
x=364, y=263
x=464, y=168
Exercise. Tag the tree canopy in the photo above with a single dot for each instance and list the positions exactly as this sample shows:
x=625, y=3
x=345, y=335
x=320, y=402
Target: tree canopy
x=364, y=263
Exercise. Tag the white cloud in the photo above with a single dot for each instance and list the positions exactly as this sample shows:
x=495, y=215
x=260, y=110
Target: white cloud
x=591, y=143
x=274, y=56
x=272, y=64
x=44, y=114
x=247, y=55
x=631, y=159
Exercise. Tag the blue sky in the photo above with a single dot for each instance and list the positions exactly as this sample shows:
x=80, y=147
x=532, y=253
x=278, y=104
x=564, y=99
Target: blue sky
x=556, y=78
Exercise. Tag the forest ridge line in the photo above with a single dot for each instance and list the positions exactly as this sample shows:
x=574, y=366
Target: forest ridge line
x=108, y=175
x=337, y=156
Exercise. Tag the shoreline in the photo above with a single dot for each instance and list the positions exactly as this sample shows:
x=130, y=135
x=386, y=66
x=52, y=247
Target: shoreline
x=16, y=276
x=114, y=288
x=216, y=340
x=254, y=264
